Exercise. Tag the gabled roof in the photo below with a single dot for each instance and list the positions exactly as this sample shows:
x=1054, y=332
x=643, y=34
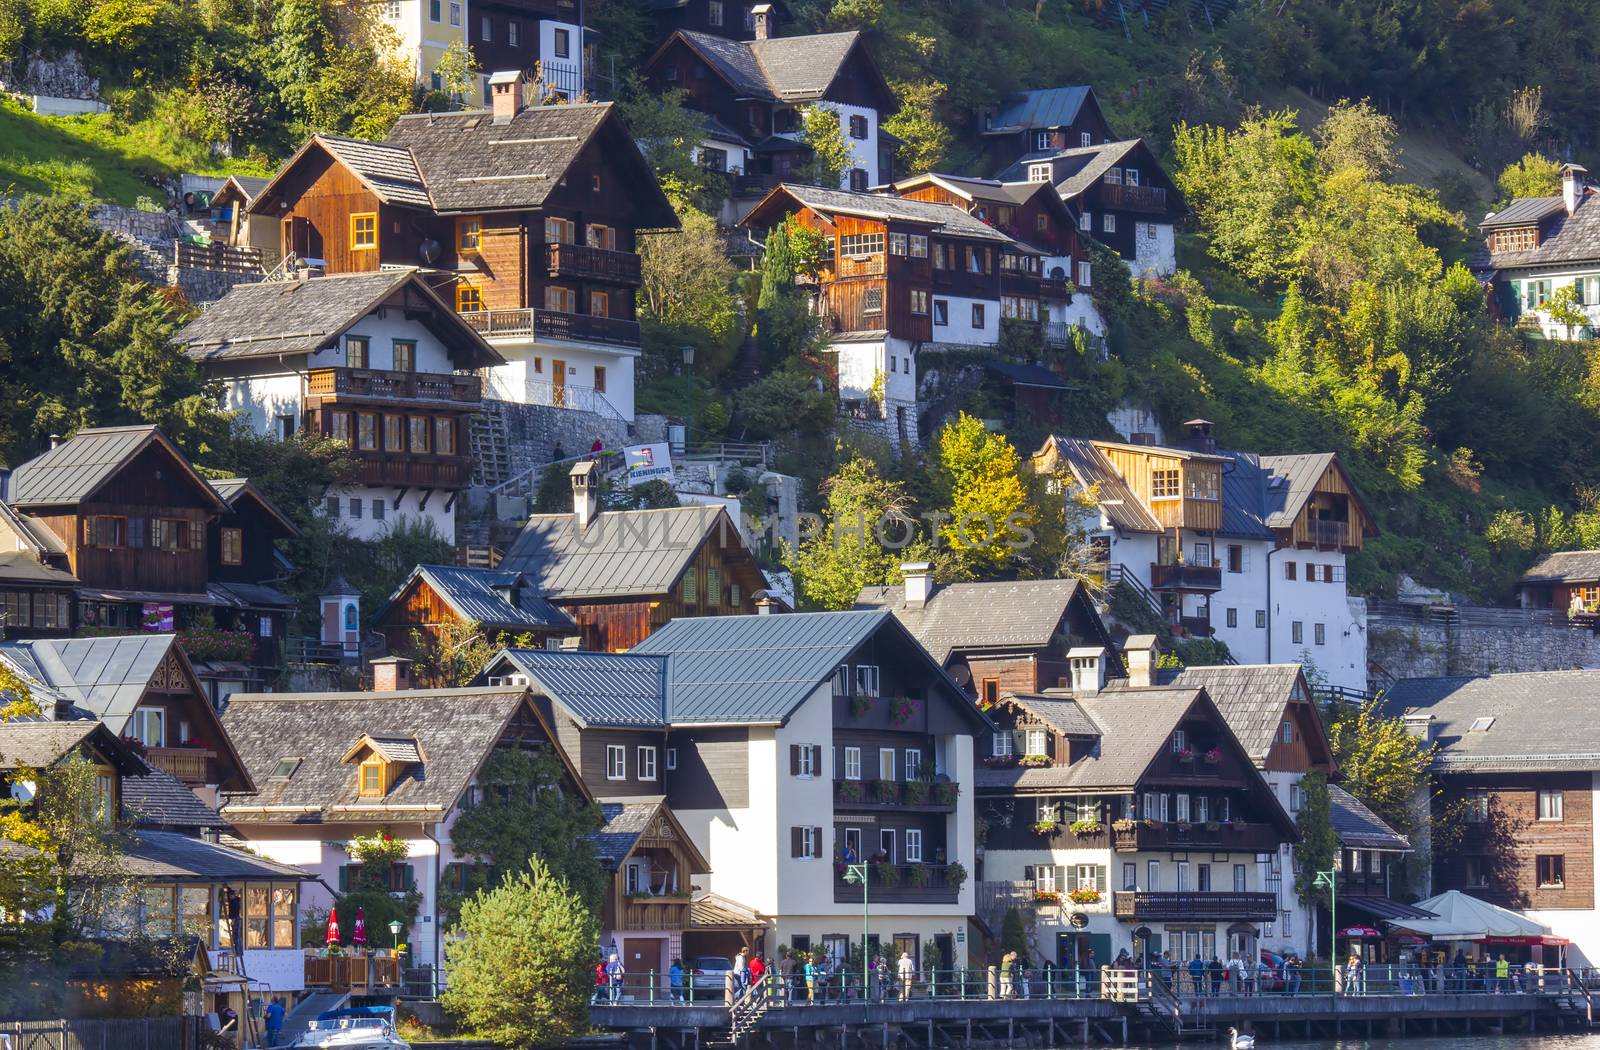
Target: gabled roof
x=1082, y=166
x=1564, y=567
x=170, y=857
x=391, y=747
x=160, y=800
x=1253, y=698
x=945, y=219
x=475, y=595
x=1092, y=469
x=622, y=552
x=1061, y=713
x=1524, y=211
x=1563, y=238
x=971, y=188
x=76, y=469
x=963, y=616
x=41, y=744
x=1019, y=373
x=22, y=567
x=279, y=318
x=1533, y=722
x=1041, y=109
x=779, y=69
x=1358, y=827
x=232, y=490
x=626, y=821
x=245, y=187
x=389, y=172
x=455, y=728
x=596, y=689
x=32, y=533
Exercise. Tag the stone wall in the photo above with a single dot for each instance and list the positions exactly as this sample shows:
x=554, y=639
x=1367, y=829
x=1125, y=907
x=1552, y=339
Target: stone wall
x=61, y=77
x=539, y=434
x=201, y=287
x=1424, y=643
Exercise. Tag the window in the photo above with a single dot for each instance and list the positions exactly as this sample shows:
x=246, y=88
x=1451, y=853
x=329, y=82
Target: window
x=691, y=587
x=616, y=762
x=1089, y=877
x=803, y=759
x=1202, y=878
x=596, y=235
x=561, y=300
x=1287, y=734
x=363, y=231
x=1152, y=875
x=1086, y=222
x=1290, y=570
x=469, y=232
x=1182, y=809
x=1180, y=740
x=170, y=534
x=331, y=506
x=394, y=433
x=913, y=846
x=866, y=680
x=434, y=10
x=436, y=82
x=1235, y=558
x=1041, y=140
x=486, y=28
x=714, y=13
x=101, y=530
x=919, y=303
x=355, y=351
x=1261, y=619
x=285, y=427
x=1238, y=878
x=872, y=301
x=513, y=32
x=852, y=763
x=977, y=259
x=1130, y=875
x=858, y=127
x=149, y=726
x=858, y=179
x=943, y=256
x=405, y=355
x=419, y=433
x=886, y=759
x=1038, y=173
x=1108, y=223
x=1222, y=809
x=1183, y=876
x=805, y=842
x=941, y=312
x=1319, y=634
x=1550, y=805
x=1113, y=176
x=713, y=586
x=1202, y=809
x=444, y=436
x=1552, y=871
x=372, y=777
x=1297, y=632
x=647, y=763
x=913, y=763
x=1035, y=742
x=558, y=230
x=377, y=510
x=1085, y=272
x=455, y=14
x=1296, y=798
x=919, y=246
x=977, y=315
x=897, y=244
x=859, y=245
x=672, y=759
x=1233, y=617
x=1165, y=484
x=1131, y=176
x=469, y=299
x=339, y=426
x=1002, y=744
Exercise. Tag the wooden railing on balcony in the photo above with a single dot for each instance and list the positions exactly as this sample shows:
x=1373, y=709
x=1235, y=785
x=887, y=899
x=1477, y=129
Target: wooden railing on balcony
x=412, y=469
x=935, y=886
x=192, y=765
x=553, y=324
x=219, y=257
x=655, y=913
x=1327, y=533
x=394, y=386
x=596, y=264
x=752, y=185
x=1133, y=198
x=1185, y=577
x=1055, y=288
x=1142, y=906
x=357, y=974
x=1234, y=836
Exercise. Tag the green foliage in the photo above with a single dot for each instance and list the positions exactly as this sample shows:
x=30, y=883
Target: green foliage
x=785, y=402
x=925, y=139
x=1534, y=175
x=1564, y=307
x=978, y=477
x=669, y=133
x=1318, y=847
x=1013, y=934
x=522, y=961
x=831, y=154
x=458, y=71
x=687, y=285
x=1383, y=765
x=845, y=555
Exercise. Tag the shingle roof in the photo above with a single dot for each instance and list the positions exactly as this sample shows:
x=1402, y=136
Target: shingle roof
x=23, y=567
x=395, y=747
x=1133, y=729
x=233, y=489
x=1085, y=164
x=1054, y=107
x=633, y=552
x=476, y=595
x=1542, y=720
x=734, y=61
x=967, y=615
x=389, y=171
x=598, y=689
x=274, y=318
x=106, y=676
x=1563, y=239
x=1564, y=566
x=715, y=912
x=975, y=188
x=167, y=855
x=939, y=218
x=1116, y=500
x=161, y=800
x=1063, y=714
x=40, y=744
x=803, y=67
x=76, y=468
x=624, y=823
x=455, y=728
x=1358, y=827
x=1252, y=697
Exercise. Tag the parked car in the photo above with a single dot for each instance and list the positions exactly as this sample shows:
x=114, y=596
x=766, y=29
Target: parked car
x=710, y=973
x=1272, y=982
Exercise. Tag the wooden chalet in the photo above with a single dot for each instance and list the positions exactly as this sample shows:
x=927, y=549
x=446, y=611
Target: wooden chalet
x=1041, y=121
x=621, y=574
x=653, y=861
x=734, y=19
x=497, y=602
x=1568, y=580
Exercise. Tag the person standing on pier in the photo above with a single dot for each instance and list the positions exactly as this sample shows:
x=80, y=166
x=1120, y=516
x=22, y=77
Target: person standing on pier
x=1352, y=975
x=675, y=979
x=615, y=972
x=1291, y=975
x=1502, y=975
x=908, y=971
x=1197, y=976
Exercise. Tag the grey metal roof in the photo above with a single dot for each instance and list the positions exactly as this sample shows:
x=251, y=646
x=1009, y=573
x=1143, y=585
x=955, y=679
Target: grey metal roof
x=76, y=468
x=1252, y=697
x=624, y=823
x=1524, y=211
x=275, y=318
x=961, y=616
x=477, y=595
x=1244, y=498
x=1079, y=167
x=160, y=800
x=23, y=568
x=622, y=552
x=945, y=219
x=1299, y=475
x=1564, y=567
x=249, y=596
x=106, y=676
x=389, y=171
x=598, y=689
x=167, y=855
x=1054, y=107
x=1543, y=720
x=1563, y=238
x=1093, y=470
x=1358, y=827
x=455, y=729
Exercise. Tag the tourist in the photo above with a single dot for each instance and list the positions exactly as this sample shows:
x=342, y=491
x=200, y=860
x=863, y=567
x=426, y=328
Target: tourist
x=811, y=978
x=274, y=1021
x=1458, y=971
x=1291, y=975
x=675, y=979
x=1007, y=962
x=599, y=982
x=907, y=973
x=1218, y=974
x=1502, y=975
x=1093, y=979
x=786, y=990
x=1352, y=975
x=1197, y=976
x=615, y=972
x=741, y=971
x=758, y=970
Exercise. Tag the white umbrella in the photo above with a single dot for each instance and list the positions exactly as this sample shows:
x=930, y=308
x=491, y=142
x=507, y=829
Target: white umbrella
x=1464, y=918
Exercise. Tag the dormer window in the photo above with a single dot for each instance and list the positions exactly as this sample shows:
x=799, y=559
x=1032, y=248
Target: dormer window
x=372, y=778
x=1038, y=173
x=1036, y=742
x=383, y=762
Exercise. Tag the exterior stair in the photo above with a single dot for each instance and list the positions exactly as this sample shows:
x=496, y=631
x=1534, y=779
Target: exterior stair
x=489, y=445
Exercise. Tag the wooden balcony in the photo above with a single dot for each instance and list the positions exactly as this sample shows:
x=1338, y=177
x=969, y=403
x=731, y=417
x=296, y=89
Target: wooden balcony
x=1133, y=198
x=908, y=884
x=592, y=264
x=1233, y=837
x=866, y=796
x=356, y=974
x=1020, y=282
x=1141, y=906
x=1185, y=577
x=553, y=324
x=192, y=765
x=1328, y=534
x=369, y=384
x=412, y=469
x=655, y=913
x=1056, y=289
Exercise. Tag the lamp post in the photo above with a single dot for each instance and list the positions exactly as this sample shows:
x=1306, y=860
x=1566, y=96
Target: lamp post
x=857, y=873
x=1330, y=879
x=688, y=394
x=394, y=929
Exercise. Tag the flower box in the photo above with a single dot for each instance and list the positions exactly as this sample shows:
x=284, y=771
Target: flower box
x=901, y=710
x=916, y=792
x=945, y=794
x=1087, y=827
x=1034, y=761
x=1186, y=755
x=1082, y=896
x=887, y=791
x=860, y=706
x=1045, y=827
x=1046, y=897
x=1213, y=756
x=849, y=791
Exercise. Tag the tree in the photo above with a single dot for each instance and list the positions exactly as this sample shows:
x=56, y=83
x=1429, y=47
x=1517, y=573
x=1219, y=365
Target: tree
x=451, y=655
x=831, y=154
x=458, y=71
x=925, y=140
x=522, y=961
x=784, y=402
x=1318, y=847
x=687, y=281
x=858, y=545
x=1354, y=135
x=978, y=475
x=1013, y=933
x=1564, y=307
x=669, y=133
x=1534, y=175
x=1384, y=765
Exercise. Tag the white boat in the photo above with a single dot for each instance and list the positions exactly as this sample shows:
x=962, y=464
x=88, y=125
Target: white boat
x=352, y=1030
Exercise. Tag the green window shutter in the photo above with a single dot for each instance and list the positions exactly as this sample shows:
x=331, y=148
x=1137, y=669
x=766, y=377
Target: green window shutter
x=408, y=877
x=344, y=878
x=1102, y=878
x=1071, y=877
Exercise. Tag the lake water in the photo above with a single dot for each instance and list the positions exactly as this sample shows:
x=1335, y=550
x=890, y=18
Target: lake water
x=1566, y=1041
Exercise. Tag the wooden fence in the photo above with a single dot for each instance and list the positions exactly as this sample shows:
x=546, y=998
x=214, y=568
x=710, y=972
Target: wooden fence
x=123, y=1033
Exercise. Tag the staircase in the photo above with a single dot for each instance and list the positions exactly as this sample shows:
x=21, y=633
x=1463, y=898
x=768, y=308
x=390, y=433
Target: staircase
x=490, y=446
x=299, y=1019
x=1116, y=574
x=747, y=1011
x=1161, y=1008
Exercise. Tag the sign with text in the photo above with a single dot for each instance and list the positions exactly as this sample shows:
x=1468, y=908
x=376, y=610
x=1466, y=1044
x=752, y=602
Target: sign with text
x=652, y=462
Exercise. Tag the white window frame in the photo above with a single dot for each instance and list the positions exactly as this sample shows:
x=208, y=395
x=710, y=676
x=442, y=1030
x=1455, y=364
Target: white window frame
x=852, y=763
x=1085, y=139
x=1041, y=140
x=1202, y=809
x=1085, y=222
x=1044, y=878
x=142, y=719
x=1130, y=176
x=1296, y=798
x=1152, y=871
x=1183, y=808
x=1035, y=742
x=1240, y=878
x=1085, y=273
x=912, y=764
x=616, y=762
x=672, y=759
x=868, y=681
x=1183, y=876
x=1089, y=877
x=887, y=760
x=1130, y=875
x=1002, y=744
x=888, y=841
x=647, y=762
x=1287, y=734
x=913, y=846
x=806, y=763
x=1038, y=173
x=456, y=12
x=1108, y=223
x=1552, y=805
x=841, y=680
x=808, y=844
x=1179, y=740
x=1045, y=809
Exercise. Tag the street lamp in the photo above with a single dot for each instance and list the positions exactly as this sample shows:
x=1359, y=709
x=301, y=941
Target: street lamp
x=688, y=393
x=394, y=929
x=1330, y=879
x=853, y=874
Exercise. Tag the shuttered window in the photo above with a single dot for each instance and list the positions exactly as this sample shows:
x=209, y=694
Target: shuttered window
x=805, y=842
x=805, y=760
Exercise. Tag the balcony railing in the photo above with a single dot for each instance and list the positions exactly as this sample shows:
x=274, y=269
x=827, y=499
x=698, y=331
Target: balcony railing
x=1056, y=288
x=412, y=469
x=915, y=795
x=357, y=974
x=752, y=185
x=596, y=264
x=1185, y=577
x=394, y=386
x=1133, y=198
x=577, y=398
x=902, y=884
x=655, y=913
x=192, y=765
x=1233, y=836
x=1329, y=533
x=553, y=324
x=1183, y=906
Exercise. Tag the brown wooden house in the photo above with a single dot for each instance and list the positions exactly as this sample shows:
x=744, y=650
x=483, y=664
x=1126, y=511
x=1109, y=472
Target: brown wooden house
x=435, y=598
x=1047, y=119
x=644, y=917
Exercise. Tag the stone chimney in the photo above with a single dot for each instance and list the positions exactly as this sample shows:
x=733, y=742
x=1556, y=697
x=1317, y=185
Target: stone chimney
x=1574, y=178
x=1419, y=724
x=1198, y=436
x=506, y=93
x=1141, y=652
x=761, y=16
x=391, y=674
x=919, y=583
x=585, y=492
x=1088, y=664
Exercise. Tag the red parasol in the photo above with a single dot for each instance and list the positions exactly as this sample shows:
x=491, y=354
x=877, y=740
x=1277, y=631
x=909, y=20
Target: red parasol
x=359, y=934
x=333, y=926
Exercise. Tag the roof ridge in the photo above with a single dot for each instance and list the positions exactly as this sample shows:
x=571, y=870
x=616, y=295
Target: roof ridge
x=454, y=693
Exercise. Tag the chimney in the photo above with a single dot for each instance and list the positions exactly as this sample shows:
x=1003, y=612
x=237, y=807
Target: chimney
x=55, y=440
x=765, y=604
x=1141, y=652
x=1088, y=664
x=1419, y=725
x=761, y=17
x=919, y=583
x=1198, y=436
x=391, y=674
x=1574, y=179
x=585, y=492
x=506, y=93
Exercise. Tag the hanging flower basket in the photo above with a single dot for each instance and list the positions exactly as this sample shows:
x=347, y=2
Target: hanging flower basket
x=1213, y=756
x=860, y=706
x=1087, y=827
x=901, y=710
x=1186, y=755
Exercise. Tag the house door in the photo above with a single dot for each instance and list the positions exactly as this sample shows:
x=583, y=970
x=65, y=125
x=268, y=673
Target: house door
x=558, y=384
x=641, y=956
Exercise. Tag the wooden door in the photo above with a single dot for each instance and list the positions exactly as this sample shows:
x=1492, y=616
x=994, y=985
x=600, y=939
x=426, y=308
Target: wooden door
x=558, y=383
x=641, y=956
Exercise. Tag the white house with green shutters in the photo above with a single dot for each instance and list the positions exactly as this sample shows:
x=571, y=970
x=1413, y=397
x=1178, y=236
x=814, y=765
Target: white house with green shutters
x=1541, y=259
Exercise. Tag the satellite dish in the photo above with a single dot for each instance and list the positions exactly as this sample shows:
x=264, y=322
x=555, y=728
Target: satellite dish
x=428, y=250
x=1058, y=272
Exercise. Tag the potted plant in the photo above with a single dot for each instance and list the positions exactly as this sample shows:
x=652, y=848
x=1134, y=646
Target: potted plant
x=916, y=792
x=955, y=874
x=1033, y=761
x=1087, y=827
x=1047, y=826
x=1046, y=897
x=919, y=875
x=901, y=710
x=1084, y=896
x=887, y=790
x=860, y=705
x=1125, y=824
x=1212, y=825
x=1186, y=756
x=1213, y=756
x=999, y=761
x=886, y=874
x=849, y=791
x=945, y=793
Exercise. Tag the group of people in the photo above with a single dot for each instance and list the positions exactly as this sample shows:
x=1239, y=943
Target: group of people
x=1236, y=976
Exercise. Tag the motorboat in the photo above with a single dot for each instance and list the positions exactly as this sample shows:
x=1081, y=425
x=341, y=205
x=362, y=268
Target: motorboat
x=354, y=1028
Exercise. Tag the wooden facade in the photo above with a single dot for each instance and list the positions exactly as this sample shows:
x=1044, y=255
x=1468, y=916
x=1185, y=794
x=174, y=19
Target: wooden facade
x=1508, y=842
x=1003, y=149
x=1182, y=491
x=1334, y=517
x=653, y=882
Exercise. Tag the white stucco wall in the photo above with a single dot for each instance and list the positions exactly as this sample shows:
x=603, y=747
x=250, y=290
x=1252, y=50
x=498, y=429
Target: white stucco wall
x=1342, y=657
x=526, y=377
x=421, y=41
x=1558, y=279
x=1128, y=420
x=1155, y=250
x=1245, y=593
x=370, y=527
x=961, y=329
x=865, y=150
x=547, y=49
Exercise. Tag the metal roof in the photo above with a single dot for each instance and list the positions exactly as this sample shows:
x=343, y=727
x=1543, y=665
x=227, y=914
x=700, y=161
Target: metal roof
x=1524, y=211
x=1055, y=107
x=75, y=469
x=597, y=689
x=30, y=531
x=944, y=219
x=1564, y=567
x=169, y=856
x=480, y=596
x=962, y=616
x=22, y=567
x=1543, y=720
x=1563, y=238
x=622, y=552
x=106, y=676
x=1358, y=827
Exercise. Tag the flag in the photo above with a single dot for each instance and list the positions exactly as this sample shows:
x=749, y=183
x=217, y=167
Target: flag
x=359, y=934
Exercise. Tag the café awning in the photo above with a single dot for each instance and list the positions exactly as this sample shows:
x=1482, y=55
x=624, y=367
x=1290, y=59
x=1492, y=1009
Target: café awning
x=1464, y=918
